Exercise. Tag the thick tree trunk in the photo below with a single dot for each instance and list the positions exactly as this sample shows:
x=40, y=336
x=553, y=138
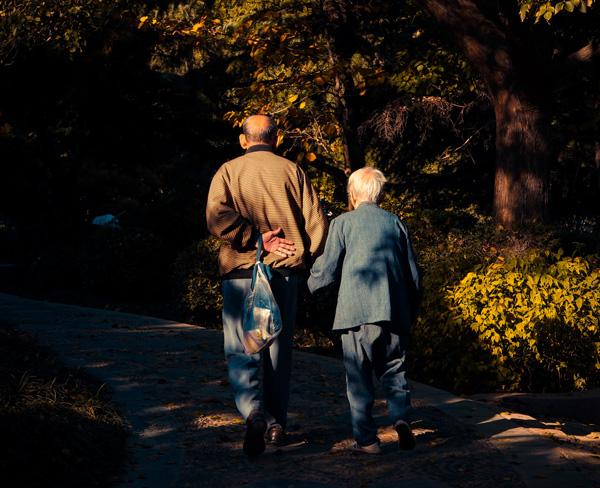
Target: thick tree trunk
x=489, y=37
x=522, y=152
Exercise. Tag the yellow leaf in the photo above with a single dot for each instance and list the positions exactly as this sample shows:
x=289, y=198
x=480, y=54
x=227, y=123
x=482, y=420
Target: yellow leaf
x=302, y=105
x=197, y=26
x=292, y=98
x=310, y=156
x=142, y=21
x=279, y=139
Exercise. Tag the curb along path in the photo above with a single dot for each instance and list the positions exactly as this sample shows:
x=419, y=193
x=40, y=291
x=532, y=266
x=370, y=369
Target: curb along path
x=169, y=381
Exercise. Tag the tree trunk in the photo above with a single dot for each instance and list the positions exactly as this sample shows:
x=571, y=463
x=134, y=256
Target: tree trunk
x=522, y=152
x=354, y=156
x=597, y=161
x=340, y=29
x=489, y=36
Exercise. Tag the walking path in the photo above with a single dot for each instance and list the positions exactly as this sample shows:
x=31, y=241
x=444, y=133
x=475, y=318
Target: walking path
x=169, y=381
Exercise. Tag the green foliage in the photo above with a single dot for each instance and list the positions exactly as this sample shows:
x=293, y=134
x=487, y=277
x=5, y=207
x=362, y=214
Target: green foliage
x=60, y=24
x=537, y=317
x=448, y=248
x=197, y=283
x=448, y=348
x=323, y=70
x=526, y=322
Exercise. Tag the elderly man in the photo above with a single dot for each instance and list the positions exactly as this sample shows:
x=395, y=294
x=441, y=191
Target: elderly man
x=370, y=251
x=260, y=192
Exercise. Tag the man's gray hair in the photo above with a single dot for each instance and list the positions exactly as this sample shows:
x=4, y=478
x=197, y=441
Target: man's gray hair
x=366, y=184
x=258, y=132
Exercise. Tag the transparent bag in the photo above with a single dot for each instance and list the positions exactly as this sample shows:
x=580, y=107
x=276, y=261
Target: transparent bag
x=262, y=319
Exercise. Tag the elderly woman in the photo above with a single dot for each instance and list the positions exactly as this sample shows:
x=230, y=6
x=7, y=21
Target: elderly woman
x=370, y=252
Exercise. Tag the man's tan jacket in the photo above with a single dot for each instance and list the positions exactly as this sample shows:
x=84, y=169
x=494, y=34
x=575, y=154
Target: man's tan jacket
x=258, y=192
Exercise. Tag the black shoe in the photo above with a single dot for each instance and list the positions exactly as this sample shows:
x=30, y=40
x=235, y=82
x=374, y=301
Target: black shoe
x=275, y=435
x=406, y=439
x=254, y=441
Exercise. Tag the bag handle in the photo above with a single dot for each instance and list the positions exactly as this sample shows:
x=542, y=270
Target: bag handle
x=259, y=247
x=264, y=268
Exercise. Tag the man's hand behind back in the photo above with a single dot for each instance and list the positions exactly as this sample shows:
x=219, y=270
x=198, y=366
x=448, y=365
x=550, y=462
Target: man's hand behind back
x=278, y=245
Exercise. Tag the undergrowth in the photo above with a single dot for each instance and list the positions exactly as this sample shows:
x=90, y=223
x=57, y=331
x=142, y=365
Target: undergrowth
x=58, y=425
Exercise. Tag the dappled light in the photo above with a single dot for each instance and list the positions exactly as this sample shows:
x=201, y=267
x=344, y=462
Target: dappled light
x=185, y=416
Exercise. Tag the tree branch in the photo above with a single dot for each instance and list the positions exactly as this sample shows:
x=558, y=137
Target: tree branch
x=482, y=41
x=566, y=74
x=588, y=53
x=338, y=174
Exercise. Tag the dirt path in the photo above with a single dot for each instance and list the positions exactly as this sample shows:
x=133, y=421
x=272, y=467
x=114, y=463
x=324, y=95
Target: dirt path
x=169, y=381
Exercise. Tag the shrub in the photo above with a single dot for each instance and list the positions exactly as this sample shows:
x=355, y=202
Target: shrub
x=124, y=263
x=58, y=425
x=440, y=353
x=197, y=283
x=536, y=317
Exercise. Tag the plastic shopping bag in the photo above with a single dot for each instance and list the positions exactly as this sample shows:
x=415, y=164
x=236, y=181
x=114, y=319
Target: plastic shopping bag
x=262, y=318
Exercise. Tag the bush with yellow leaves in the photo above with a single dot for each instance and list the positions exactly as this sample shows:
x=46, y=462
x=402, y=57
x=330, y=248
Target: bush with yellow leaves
x=536, y=318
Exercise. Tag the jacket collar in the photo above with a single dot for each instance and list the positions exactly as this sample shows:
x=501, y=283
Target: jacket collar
x=259, y=147
x=367, y=204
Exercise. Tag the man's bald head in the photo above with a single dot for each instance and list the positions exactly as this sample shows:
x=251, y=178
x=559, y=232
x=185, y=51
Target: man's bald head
x=259, y=129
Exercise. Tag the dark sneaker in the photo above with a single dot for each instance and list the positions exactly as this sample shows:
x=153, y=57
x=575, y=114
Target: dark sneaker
x=406, y=439
x=275, y=435
x=254, y=441
x=370, y=449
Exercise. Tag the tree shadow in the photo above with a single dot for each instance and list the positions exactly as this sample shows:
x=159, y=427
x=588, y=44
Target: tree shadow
x=58, y=427
x=56, y=446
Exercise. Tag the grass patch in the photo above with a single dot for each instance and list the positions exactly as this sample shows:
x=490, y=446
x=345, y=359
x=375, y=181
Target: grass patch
x=58, y=425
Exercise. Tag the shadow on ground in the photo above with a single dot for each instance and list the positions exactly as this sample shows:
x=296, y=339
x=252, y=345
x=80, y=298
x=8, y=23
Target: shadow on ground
x=169, y=381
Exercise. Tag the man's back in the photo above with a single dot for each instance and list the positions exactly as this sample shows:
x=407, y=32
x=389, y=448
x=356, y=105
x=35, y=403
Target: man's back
x=262, y=194
x=267, y=192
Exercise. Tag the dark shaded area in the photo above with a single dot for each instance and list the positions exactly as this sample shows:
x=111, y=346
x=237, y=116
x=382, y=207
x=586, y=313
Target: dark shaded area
x=582, y=407
x=102, y=133
x=58, y=426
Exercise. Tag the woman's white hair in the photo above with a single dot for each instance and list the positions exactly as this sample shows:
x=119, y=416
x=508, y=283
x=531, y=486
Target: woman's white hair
x=366, y=184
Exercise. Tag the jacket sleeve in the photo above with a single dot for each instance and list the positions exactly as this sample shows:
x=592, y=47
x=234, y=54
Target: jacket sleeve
x=315, y=222
x=222, y=220
x=328, y=265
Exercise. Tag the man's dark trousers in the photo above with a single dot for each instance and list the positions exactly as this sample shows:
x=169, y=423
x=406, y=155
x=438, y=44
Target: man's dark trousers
x=277, y=359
